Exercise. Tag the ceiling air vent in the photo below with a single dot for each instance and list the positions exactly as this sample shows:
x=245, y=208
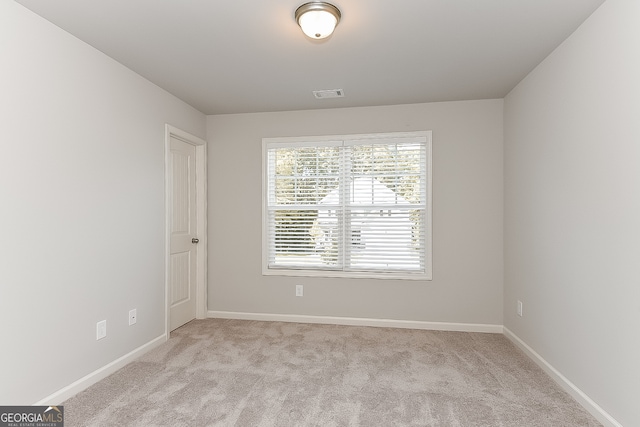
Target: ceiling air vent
x=332, y=93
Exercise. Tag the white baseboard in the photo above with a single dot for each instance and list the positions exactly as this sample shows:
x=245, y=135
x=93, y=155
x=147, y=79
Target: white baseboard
x=357, y=321
x=585, y=401
x=88, y=380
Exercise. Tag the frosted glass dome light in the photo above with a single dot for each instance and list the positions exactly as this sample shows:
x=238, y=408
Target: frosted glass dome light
x=318, y=19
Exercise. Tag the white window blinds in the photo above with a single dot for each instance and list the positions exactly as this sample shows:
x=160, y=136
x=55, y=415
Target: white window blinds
x=352, y=205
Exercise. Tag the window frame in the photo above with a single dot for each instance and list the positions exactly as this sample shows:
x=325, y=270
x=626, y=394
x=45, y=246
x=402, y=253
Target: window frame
x=302, y=141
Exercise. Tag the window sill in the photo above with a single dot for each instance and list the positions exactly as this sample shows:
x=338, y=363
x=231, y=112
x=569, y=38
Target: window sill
x=346, y=274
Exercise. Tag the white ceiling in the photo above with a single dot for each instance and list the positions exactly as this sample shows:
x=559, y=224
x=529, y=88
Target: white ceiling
x=237, y=56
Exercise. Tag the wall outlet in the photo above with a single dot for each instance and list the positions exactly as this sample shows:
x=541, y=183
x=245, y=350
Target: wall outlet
x=299, y=290
x=133, y=317
x=101, y=329
x=519, y=308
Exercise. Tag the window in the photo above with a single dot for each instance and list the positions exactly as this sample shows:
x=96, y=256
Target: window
x=348, y=206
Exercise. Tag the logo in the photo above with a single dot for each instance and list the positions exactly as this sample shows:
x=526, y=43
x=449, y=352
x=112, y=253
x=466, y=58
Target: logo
x=31, y=416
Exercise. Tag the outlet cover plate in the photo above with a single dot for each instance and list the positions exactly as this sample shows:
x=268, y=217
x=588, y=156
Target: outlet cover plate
x=519, y=308
x=101, y=329
x=133, y=316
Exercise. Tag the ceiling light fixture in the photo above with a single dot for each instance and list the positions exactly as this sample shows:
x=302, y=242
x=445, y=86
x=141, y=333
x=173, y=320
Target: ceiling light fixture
x=318, y=19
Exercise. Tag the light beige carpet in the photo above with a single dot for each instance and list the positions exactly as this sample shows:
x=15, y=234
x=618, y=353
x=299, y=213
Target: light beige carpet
x=248, y=373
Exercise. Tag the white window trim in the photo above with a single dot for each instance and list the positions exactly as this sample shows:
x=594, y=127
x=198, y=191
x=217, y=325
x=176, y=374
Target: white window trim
x=311, y=140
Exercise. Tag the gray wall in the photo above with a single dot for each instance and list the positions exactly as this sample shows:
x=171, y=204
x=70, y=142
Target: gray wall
x=82, y=196
x=467, y=216
x=572, y=209
x=82, y=218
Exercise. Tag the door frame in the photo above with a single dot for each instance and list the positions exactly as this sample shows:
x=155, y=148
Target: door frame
x=201, y=220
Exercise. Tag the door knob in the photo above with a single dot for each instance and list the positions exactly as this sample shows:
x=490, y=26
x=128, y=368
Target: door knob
x=195, y=240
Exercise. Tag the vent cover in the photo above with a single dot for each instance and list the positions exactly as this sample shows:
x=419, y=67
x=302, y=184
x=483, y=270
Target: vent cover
x=331, y=93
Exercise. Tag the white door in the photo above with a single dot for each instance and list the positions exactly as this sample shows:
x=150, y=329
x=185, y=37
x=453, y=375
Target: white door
x=183, y=238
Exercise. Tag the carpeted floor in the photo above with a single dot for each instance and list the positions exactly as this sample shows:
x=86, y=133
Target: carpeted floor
x=247, y=373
